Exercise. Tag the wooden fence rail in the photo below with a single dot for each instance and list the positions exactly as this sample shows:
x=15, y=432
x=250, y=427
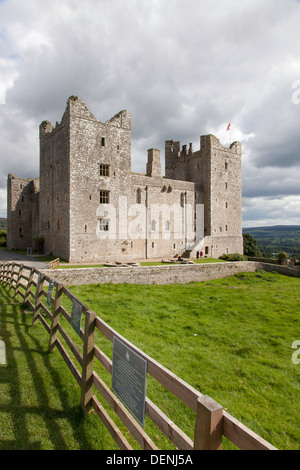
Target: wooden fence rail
x=211, y=421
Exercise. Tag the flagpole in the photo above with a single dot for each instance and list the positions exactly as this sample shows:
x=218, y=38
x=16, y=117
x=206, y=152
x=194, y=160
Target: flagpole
x=229, y=129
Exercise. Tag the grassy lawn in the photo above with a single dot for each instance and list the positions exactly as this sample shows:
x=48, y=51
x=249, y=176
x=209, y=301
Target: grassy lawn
x=64, y=265
x=230, y=339
x=39, y=399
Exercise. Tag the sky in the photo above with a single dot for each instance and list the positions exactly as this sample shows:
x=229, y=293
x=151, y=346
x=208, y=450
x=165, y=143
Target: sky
x=183, y=68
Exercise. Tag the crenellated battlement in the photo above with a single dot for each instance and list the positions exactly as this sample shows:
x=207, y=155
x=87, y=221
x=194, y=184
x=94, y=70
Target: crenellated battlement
x=88, y=205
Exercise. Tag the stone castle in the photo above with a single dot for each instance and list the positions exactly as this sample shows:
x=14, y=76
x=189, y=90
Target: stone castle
x=87, y=205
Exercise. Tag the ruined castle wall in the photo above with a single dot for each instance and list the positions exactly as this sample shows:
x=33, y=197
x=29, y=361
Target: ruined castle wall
x=100, y=169
x=166, y=204
x=218, y=172
x=54, y=204
x=22, y=212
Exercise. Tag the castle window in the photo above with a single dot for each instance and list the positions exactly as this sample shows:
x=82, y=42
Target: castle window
x=58, y=224
x=167, y=225
x=226, y=205
x=153, y=225
x=57, y=197
x=104, y=170
x=19, y=211
x=226, y=228
x=174, y=246
x=104, y=225
x=220, y=229
x=182, y=199
x=104, y=197
x=138, y=196
x=152, y=244
x=226, y=165
x=48, y=224
x=48, y=199
x=103, y=141
x=85, y=228
x=226, y=185
x=20, y=231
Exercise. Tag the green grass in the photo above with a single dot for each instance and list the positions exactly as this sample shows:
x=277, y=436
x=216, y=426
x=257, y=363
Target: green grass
x=39, y=399
x=231, y=339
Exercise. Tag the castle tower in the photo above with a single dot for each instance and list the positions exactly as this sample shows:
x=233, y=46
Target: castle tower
x=82, y=162
x=217, y=172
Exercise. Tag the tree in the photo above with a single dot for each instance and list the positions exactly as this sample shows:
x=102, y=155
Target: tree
x=3, y=236
x=281, y=257
x=251, y=246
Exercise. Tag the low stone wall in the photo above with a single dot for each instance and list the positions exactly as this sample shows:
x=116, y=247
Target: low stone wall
x=169, y=274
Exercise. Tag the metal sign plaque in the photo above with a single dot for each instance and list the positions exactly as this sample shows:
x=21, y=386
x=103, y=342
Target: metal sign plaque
x=50, y=292
x=129, y=378
x=76, y=316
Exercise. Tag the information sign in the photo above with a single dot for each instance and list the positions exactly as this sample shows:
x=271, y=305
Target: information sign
x=129, y=377
x=76, y=316
x=50, y=292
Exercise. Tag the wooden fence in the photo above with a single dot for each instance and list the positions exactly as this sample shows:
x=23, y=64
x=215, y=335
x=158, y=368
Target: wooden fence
x=211, y=421
x=54, y=263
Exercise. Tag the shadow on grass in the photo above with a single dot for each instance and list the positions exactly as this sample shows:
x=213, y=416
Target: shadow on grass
x=39, y=399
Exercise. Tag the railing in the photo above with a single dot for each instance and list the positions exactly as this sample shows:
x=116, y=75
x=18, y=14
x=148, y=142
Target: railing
x=54, y=263
x=211, y=421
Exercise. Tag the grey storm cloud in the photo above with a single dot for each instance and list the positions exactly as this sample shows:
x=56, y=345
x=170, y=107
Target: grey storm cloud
x=181, y=68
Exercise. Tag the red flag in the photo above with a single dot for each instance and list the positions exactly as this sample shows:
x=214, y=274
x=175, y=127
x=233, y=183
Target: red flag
x=228, y=127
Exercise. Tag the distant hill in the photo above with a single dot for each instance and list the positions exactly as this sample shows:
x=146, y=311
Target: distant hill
x=273, y=239
x=3, y=224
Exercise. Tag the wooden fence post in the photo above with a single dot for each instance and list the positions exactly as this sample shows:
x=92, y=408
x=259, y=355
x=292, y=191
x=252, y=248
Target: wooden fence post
x=19, y=280
x=208, y=425
x=38, y=299
x=11, y=281
x=3, y=272
x=29, y=285
x=87, y=363
x=55, y=317
x=7, y=274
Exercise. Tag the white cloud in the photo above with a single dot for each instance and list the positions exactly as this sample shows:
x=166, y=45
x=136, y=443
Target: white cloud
x=182, y=69
x=8, y=75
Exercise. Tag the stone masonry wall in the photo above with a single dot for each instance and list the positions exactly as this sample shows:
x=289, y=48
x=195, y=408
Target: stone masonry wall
x=168, y=274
